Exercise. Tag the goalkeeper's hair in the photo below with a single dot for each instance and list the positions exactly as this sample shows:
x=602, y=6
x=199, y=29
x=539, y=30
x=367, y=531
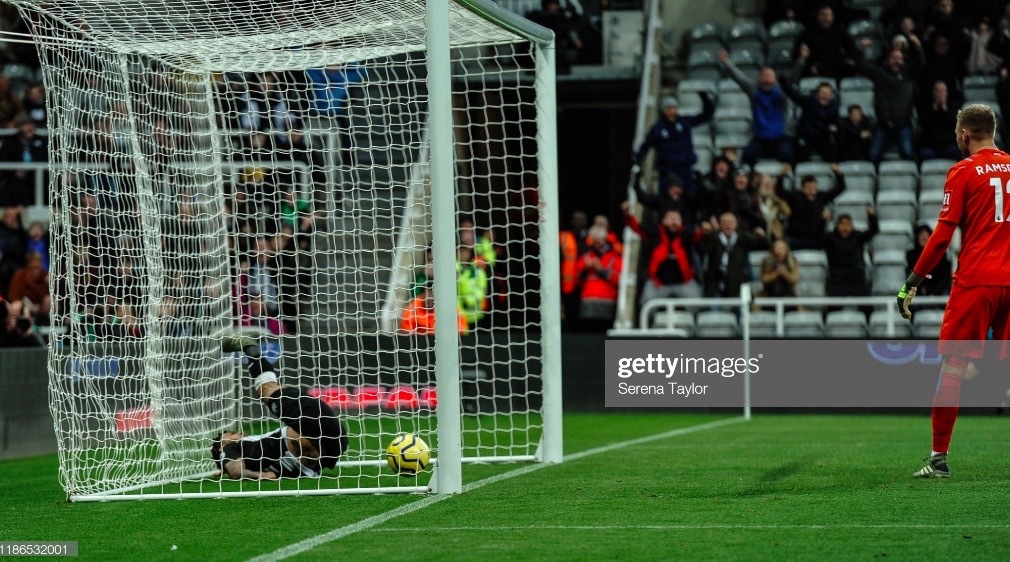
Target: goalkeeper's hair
x=979, y=120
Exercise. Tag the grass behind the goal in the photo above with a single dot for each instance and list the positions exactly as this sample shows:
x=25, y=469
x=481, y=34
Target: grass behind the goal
x=776, y=488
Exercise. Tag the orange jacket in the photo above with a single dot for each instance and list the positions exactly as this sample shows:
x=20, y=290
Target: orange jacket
x=419, y=319
x=569, y=260
x=600, y=284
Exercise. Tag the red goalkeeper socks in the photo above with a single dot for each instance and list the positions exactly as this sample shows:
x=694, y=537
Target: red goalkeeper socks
x=945, y=402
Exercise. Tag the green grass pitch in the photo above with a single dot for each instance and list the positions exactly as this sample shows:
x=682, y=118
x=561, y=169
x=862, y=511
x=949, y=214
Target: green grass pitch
x=779, y=487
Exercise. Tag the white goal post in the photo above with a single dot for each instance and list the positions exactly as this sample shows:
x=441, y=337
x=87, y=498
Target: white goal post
x=240, y=165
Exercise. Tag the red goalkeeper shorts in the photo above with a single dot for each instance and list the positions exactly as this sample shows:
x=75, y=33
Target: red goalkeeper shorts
x=970, y=313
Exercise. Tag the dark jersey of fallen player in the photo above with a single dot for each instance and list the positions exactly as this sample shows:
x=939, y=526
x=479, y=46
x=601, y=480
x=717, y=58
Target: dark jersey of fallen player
x=267, y=453
x=313, y=419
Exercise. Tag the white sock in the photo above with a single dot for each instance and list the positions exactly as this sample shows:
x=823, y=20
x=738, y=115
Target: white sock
x=268, y=376
x=934, y=453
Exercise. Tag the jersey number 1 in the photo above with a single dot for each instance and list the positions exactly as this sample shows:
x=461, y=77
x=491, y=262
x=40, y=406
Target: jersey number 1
x=999, y=187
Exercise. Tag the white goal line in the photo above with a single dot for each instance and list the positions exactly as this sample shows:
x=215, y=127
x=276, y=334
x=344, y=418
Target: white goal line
x=376, y=520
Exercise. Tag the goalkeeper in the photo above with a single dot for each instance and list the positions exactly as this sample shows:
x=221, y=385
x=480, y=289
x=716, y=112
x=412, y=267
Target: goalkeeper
x=311, y=439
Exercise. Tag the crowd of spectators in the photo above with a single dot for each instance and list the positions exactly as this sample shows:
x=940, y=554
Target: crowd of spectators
x=917, y=77
x=477, y=274
x=270, y=211
x=698, y=227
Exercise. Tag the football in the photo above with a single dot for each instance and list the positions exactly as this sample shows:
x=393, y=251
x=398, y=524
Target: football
x=408, y=454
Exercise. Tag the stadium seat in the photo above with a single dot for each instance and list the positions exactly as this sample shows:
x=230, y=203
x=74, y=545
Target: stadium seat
x=707, y=37
x=855, y=84
x=768, y=167
x=694, y=86
x=716, y=324
x=933, y=174
x=898, y=175
x=878, y=324
x=749, y=62
x=804, y=324
x=893, y=235
x=762, y=324
x=808, y=84
x=896, y=205
x=781, y=59
x=980, y=89
x=820, y=170
x=856, y=90
x=845, y=324
x=864, y=29
x=868, y=29
x=926, y=323
x=773, y=168
x=733, y=121
x=860, y=176
x=37, y=213
x=889, y=257
x=887, y=280
x=679, y=319
x=929, y=206
x=701, y=139
x=725, y=85
x=852, y=203
x=862, y=98
x=731, y=141
x=20, y=75
x=813, y=265
x=688, y=93
x=747, y=35
x=809, y=288
x=703, y=65
x=733, y=100
x=783, y=34
x=936, y=166
x=691, y=104
x=754, y=259
x=702, y=130
x=889, y=272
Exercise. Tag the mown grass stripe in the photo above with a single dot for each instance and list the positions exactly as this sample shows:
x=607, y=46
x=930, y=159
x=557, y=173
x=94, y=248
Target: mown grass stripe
x=376, y=520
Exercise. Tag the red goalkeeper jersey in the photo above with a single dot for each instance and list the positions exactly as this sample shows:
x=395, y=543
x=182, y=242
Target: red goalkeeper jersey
x=976, y=198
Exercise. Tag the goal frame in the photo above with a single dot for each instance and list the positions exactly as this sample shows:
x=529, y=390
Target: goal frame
x=448, y=473
x=446, y=478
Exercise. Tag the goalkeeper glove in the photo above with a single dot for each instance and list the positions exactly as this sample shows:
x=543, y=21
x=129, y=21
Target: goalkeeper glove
x=907, y=293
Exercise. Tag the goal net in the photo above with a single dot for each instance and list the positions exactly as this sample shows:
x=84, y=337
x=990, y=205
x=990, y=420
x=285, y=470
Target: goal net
x=264, y=167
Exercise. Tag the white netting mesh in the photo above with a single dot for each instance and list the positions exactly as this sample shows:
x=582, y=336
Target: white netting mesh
x=264, y=165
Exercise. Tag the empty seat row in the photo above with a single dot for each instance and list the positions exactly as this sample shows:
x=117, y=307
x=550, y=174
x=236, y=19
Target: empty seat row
x=887, y=268
x=898, y=182
x=804, y=324
x=711, y=36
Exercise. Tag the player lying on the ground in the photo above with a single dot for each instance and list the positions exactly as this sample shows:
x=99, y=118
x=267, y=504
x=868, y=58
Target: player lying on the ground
x=310, y=440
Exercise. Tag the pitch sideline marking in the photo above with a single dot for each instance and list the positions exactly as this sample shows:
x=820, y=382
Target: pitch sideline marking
x=675, y=527
x=370, y=522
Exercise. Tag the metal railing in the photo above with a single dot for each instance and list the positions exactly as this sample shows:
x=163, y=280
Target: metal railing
x=648, y=91
x=414, y=235
x=779, y=305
